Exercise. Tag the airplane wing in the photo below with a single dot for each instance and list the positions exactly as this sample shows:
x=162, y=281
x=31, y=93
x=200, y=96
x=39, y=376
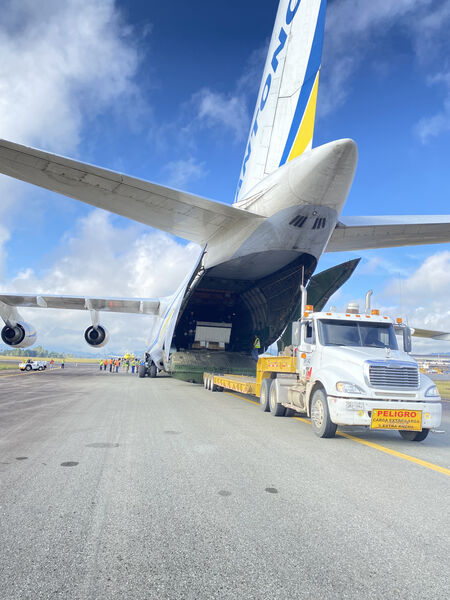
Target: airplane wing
x=147, y=306
x=185, y=215
x=363, y=233
x=428, y=333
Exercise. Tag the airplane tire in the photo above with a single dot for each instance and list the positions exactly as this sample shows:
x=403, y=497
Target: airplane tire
x=152, y=370
x=414, y=436
x=141, y=371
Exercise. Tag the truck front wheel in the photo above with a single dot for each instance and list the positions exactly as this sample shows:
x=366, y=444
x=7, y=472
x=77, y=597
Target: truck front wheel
x=320, y=415
x=141, y=371
x=152, y=370
x=414, y=436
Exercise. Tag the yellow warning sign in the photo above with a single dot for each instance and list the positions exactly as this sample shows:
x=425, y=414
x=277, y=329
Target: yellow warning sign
x=408, y=420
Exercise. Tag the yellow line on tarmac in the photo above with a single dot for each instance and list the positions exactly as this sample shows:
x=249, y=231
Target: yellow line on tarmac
x=242, y=398
x=402, y=455
x=417, y=461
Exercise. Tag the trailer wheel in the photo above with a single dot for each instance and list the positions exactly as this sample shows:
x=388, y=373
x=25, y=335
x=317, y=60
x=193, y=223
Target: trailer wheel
x=264, y=395
x=414, y=436
x=141, y=370
x=320, y=415
x=152, y=370
x=208, y=382
x=276, y=409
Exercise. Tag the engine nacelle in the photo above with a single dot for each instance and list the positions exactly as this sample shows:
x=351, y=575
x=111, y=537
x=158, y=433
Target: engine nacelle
x=96, y=336
x=21, y=335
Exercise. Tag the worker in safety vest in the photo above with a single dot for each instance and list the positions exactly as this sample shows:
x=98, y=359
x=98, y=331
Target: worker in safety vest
x=101, y=364
x=256, y=347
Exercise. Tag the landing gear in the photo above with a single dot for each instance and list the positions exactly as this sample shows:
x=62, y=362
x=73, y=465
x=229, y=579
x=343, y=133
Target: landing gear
x=150, y=371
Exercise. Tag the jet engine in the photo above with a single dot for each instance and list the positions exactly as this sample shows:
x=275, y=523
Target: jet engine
x=21, y=335
x=96, y=336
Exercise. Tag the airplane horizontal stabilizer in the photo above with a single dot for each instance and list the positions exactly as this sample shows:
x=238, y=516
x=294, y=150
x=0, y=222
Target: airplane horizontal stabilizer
x=363, y=233
x=147, y=306
x=179, y=213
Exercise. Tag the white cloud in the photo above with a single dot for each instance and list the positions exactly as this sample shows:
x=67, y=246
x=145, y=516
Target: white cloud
x=98, y=258
x=62, y=63
x=182, y=172
x=355, y=27
x=430, y=127
x=423, y=298
x=228, y=111
x=60, y=60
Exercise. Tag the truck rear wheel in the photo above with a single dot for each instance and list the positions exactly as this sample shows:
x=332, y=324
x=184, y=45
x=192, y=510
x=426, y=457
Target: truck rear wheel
x=152, y=370
x=414, y=436
x=264, y=395
x=320, y=415
x=276, y=409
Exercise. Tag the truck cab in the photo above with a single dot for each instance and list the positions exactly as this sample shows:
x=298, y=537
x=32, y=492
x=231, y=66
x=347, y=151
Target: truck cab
x=351, y=371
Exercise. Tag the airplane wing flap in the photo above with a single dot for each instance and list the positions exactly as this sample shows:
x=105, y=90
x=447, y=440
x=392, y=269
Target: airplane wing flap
x=180, y=213
x=364, y=233
x=148, y=306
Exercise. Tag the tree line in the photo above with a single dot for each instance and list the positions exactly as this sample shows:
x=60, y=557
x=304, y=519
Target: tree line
x=39, y=352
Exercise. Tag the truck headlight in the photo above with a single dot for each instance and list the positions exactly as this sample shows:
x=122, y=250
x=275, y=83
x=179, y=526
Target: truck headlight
x=349, y=388
x=432, y=392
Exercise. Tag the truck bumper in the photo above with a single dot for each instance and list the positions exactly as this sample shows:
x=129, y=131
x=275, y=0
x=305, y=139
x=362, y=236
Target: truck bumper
x=355, y=411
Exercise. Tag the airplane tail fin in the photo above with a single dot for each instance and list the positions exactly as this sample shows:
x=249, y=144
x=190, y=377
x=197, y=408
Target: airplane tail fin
x=283, y=122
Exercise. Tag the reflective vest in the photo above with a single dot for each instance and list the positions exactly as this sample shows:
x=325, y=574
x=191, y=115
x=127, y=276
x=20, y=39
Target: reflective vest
x=257, y=343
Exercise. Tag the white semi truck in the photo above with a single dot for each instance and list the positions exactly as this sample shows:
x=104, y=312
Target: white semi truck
x=346, y=369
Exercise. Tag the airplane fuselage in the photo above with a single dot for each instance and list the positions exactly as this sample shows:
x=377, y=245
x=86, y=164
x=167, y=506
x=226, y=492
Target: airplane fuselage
x=250, y=275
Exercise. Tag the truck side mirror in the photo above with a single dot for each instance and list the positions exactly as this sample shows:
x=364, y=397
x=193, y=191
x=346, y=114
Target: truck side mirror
x=407, y=343
x=296, y=333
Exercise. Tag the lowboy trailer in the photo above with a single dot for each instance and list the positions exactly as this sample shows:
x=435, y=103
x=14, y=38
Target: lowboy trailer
x=345, y=369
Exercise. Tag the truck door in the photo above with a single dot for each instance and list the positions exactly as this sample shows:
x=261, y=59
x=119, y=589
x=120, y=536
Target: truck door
x=306, y=348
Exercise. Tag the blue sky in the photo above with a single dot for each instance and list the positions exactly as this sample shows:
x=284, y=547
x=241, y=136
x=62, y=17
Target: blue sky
x=165, y=91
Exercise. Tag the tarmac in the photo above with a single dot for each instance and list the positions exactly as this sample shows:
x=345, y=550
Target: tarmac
x=113, y=486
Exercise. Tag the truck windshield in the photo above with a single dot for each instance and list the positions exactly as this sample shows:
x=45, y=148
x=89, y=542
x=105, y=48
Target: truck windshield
x=352, y=333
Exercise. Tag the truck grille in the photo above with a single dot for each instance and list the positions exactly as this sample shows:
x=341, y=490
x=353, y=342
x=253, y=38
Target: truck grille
x=397, y=376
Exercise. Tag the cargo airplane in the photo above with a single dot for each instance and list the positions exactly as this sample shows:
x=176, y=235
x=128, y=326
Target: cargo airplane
x=256, y=252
